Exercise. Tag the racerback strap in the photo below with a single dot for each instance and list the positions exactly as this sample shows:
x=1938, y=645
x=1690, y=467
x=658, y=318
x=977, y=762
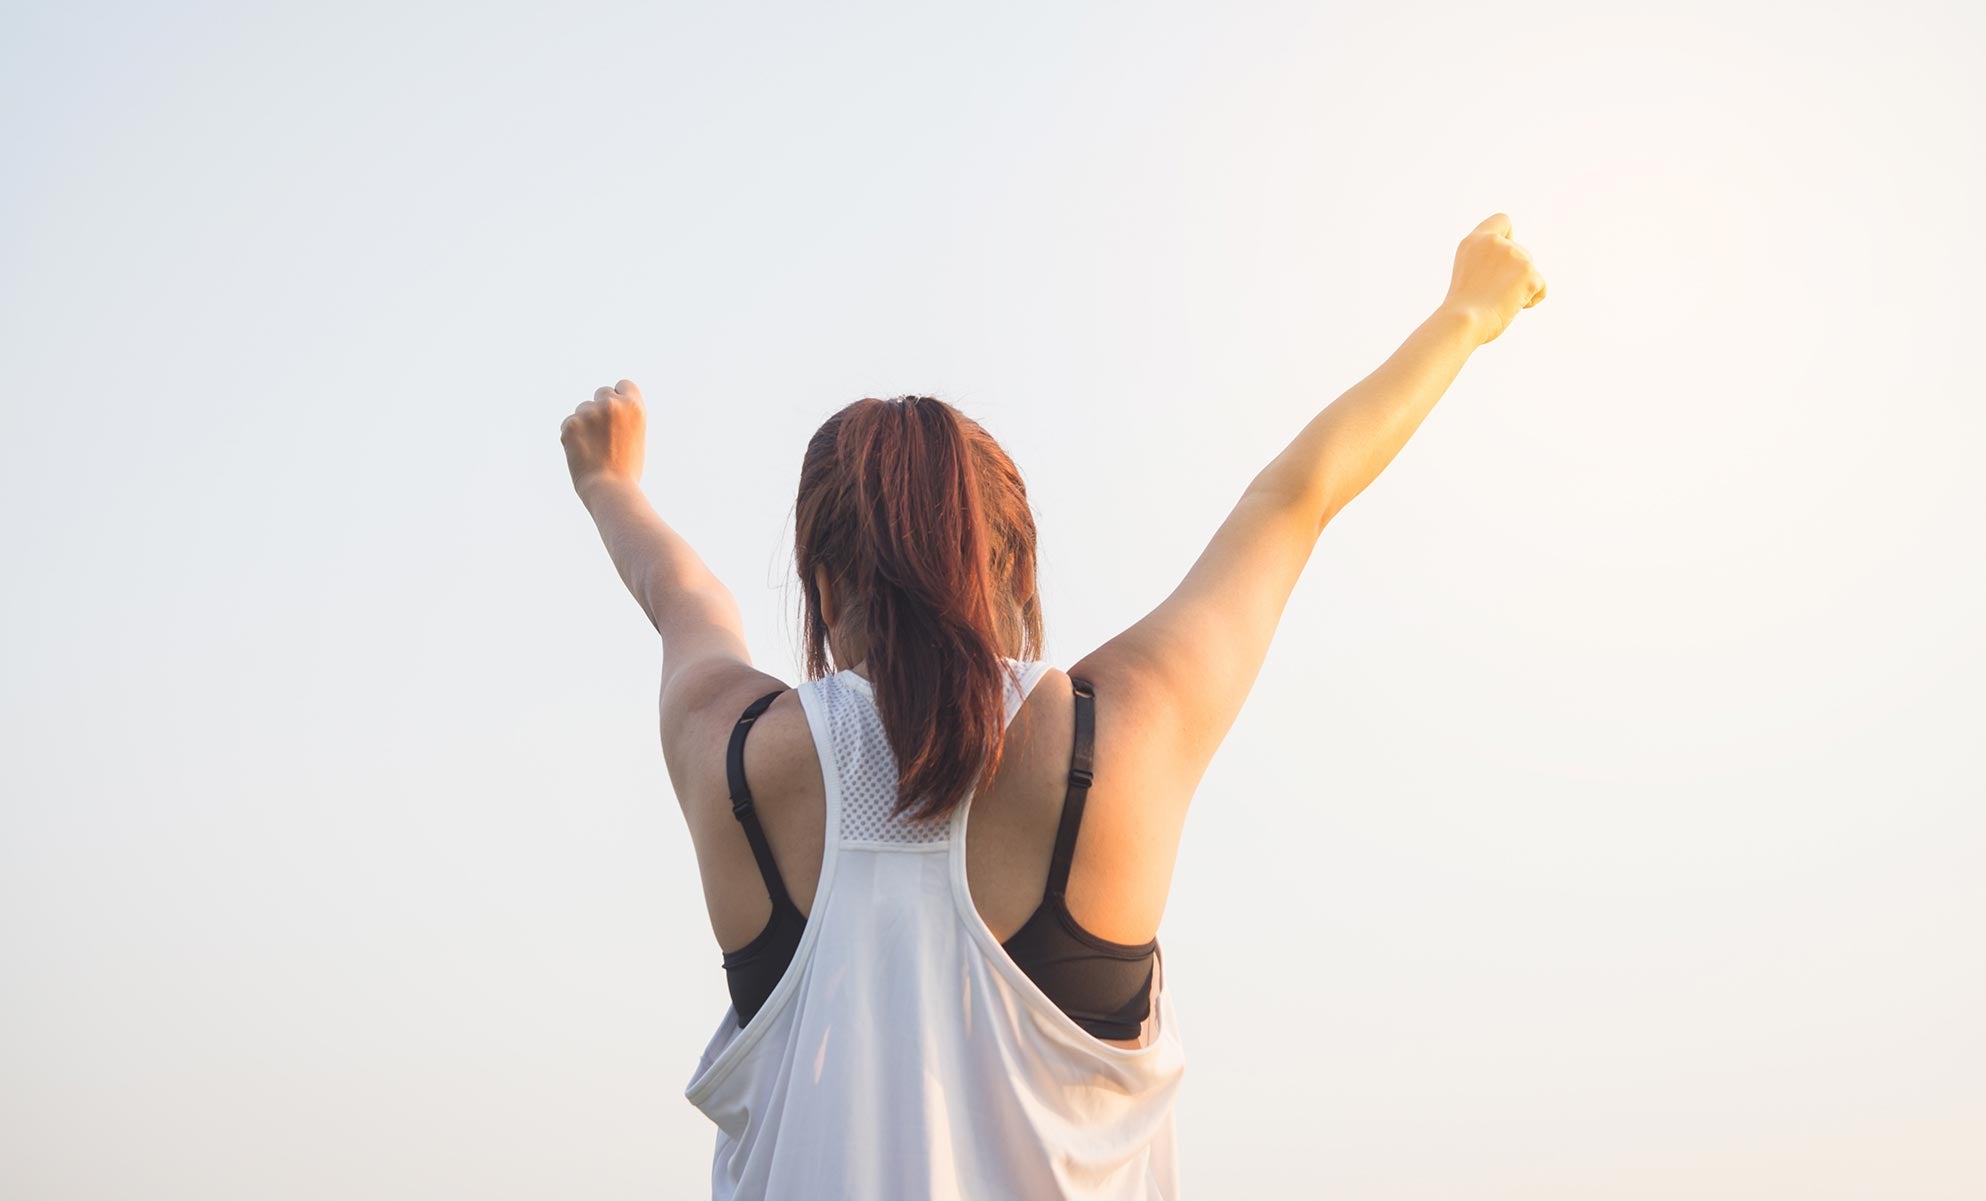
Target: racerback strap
x=742, y=806
x=1080, y=760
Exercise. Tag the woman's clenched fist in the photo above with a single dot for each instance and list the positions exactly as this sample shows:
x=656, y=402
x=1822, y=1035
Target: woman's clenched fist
x=1494, y=278
x=605, y=438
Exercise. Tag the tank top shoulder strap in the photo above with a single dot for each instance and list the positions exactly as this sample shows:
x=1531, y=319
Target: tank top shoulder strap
x=1081, y=758
x=743, y=807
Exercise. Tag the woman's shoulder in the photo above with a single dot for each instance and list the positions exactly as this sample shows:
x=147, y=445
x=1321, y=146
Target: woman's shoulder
x=698, y=719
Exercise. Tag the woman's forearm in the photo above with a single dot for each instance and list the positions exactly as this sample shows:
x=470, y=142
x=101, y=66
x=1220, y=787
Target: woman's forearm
x=659, y=568
x=1345, y=447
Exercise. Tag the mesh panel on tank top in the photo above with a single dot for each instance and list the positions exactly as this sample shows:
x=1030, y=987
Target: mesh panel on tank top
x=868, y=766
x=868, y=770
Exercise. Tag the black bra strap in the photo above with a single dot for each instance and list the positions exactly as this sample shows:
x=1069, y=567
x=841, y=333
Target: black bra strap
x=741, y=800
x=1080, y=760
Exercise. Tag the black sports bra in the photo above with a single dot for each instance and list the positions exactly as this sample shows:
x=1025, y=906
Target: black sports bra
x=1104, y=986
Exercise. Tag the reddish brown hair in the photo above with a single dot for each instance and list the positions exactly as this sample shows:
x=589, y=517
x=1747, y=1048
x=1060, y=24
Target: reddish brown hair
x=923, y=525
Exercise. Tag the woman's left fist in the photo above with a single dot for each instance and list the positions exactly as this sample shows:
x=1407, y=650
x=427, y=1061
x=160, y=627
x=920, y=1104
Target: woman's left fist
x=605, y=438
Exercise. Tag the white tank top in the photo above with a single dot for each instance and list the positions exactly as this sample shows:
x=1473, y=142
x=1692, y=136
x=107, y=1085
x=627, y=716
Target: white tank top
x=904, y=1054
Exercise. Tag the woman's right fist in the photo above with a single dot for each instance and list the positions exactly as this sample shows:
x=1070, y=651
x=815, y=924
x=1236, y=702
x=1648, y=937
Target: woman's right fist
x=1493, y=278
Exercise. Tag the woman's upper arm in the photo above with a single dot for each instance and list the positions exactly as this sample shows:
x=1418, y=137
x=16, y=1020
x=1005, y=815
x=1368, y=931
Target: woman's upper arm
x=1181, y=673
x=699, y=706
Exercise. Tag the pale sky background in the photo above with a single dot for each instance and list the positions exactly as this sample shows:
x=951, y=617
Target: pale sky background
x=1607, y=821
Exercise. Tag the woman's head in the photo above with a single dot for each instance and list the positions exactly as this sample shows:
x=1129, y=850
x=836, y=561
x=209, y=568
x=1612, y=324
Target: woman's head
x=916, y=550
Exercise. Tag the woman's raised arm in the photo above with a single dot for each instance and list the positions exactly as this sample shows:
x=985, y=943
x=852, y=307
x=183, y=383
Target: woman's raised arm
x=1345, y=447
x=1181, y=673
x=605, y=443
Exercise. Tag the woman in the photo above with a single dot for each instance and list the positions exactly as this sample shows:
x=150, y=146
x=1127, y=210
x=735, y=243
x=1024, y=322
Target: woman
x=936, y=873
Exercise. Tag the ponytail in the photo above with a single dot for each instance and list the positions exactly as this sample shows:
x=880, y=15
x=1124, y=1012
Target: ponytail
x=923, y=524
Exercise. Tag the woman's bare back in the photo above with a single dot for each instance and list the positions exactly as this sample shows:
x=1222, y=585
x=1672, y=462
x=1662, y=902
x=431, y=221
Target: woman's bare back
x=1124, y=854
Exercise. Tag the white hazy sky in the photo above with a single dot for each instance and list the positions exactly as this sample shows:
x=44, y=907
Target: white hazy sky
x=1607, y=821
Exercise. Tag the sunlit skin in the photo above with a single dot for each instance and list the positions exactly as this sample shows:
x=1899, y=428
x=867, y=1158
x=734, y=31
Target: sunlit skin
x=1168, y=687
